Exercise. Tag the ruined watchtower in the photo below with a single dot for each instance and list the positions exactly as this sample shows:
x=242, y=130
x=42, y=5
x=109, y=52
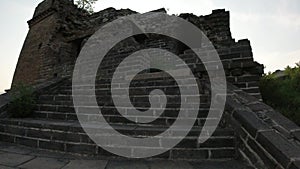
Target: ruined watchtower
x=58, y=30
x=249, y=130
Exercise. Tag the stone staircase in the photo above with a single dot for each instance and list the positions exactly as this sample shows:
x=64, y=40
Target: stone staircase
x=54, y=125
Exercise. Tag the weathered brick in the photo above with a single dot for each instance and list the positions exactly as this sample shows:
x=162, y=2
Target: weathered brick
x=27, y=141
x=189, y=154
x=223, y=153
x=263, y=154
x=51, y=145
x=81, y=148
x=279, y=147
x=295, y=165
x=250, y=121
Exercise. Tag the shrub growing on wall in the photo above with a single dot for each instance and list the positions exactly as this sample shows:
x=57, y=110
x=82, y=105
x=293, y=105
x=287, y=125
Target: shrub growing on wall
x=87, y=5
x=22, y=102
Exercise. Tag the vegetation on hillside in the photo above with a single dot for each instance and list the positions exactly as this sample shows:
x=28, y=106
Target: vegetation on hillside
x=283, y=93
x=87, y=5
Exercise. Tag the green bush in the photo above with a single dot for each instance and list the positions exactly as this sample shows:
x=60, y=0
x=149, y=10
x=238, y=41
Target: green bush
x=22, y=103
x=283, y=94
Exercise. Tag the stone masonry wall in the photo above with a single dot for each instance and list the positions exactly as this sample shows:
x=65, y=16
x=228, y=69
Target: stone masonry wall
x=34, y=50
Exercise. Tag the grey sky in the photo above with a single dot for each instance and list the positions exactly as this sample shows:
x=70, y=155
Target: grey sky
x=273, y=26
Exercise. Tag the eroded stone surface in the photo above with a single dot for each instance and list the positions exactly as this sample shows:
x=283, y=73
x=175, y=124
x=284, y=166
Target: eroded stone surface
x=91, y=164
x=44, y=163
x=52, y=161
x=13, y=160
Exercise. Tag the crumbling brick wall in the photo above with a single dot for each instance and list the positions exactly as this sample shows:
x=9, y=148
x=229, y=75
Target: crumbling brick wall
x=59, y=29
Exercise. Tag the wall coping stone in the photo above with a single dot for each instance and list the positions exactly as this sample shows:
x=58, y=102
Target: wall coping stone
x=278, y=135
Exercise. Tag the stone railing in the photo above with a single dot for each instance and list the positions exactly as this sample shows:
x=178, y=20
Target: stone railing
x=266, y=138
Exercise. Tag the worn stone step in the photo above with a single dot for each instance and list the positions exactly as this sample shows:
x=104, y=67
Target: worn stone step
x=54, y=108
x=138, y=80
x=110, y=110
x=142, y=81
x=133, y=85
x=70, y=109
x=75, y=126
x=55, y=115
x=112, y=117
x=68, y=106
x=133, y=91
x=67, y=99
x=75, y=133
x=69, y=137
x=55, y=97
x=136, y=101
x=151, y=79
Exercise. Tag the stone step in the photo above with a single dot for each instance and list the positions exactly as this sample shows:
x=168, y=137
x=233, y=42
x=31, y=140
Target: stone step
x=70, y=108
x=156, y=78
x=66, y=98
x=111, y=117
x=138, y=102
x=70, y=137
x=63, y=106
x=111, y=110
x=55, y=97
x=55, y=108
x=55, y=115
x=135, y=84
x=133, y=91
x=74, y=126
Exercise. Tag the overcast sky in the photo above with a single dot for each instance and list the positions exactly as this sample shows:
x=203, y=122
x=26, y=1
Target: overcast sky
x=273, y=26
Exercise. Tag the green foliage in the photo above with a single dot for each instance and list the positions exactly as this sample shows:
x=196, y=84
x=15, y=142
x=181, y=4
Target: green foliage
x=283, y=93
x=22, y=103
x=86, y=5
